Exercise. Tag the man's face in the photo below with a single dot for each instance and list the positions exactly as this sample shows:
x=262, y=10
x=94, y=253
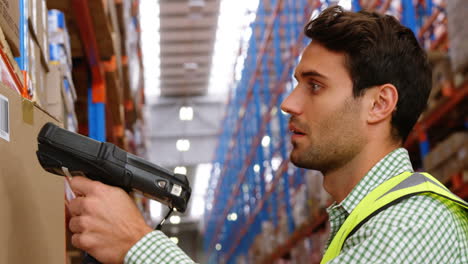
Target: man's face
x=326, y=120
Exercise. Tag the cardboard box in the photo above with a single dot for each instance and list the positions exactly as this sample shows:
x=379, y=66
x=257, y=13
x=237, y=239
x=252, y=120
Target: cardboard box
x=32, y=215
x=37, y=23
x=9, y=22
x=54, y=104
x=59, y=97
x=9, y=54
x=442, y=81
x=58, y=38
x=37, y=73
x=448, y=157
x=458, y=34
x=44, y=33
x=6, y=78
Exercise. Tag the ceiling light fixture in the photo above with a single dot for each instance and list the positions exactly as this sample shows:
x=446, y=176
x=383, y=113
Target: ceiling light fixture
x=183, y=145
x=186, y=113
x=175, y=219
x=180, y=170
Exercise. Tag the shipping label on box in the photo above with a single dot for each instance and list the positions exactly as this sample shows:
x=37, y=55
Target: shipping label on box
x=9, y=22
x=4, y=118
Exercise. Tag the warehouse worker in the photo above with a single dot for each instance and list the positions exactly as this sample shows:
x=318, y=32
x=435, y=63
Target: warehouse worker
x=362, y=83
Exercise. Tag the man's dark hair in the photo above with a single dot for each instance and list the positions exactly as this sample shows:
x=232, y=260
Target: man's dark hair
x=378, y=50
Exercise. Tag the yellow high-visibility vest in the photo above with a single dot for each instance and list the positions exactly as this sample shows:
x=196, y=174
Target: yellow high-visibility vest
x=388, y=193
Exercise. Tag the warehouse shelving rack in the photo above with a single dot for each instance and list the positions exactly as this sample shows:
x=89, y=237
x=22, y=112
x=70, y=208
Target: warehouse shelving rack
x=97, y=91
x=255, y=179
x=243, y=181
x=100, y=32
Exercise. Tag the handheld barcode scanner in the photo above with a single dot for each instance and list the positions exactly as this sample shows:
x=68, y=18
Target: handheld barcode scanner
x=63, y=152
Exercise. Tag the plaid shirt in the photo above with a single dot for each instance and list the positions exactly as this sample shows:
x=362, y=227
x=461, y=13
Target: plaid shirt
x=421, y=229
x=154, y=248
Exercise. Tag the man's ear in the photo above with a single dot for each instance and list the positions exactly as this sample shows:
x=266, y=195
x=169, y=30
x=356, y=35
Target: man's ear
x=383, y=101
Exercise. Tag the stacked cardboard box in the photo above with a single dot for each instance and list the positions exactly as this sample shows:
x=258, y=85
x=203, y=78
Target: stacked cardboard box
x=61, y=94
x=9, y=42
x=301, y=253
x=458, y=34
x=264, y=243
x=37, y=51
x=442, y=78
x=32, y=219
x=448, y=157
x=38, y=25
x=9, y=22
x=6, y=77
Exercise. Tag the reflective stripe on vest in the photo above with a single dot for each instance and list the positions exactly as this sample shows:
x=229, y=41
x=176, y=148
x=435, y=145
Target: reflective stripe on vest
x=388, y=193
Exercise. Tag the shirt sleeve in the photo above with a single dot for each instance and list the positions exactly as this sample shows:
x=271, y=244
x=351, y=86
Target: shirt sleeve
x=156, y=247
x=420, y=229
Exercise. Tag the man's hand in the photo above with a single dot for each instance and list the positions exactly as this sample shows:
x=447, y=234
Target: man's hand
x=105, y=222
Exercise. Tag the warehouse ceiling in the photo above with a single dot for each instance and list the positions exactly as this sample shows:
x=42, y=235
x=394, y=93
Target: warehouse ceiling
x=187, y=37
x=190, y=50
x=186, y=41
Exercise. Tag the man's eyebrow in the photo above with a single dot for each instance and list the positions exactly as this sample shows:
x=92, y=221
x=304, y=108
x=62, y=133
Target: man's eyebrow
x=311, y=73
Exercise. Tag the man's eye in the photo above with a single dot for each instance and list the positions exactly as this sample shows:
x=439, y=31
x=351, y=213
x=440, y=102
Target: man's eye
x=315, y=87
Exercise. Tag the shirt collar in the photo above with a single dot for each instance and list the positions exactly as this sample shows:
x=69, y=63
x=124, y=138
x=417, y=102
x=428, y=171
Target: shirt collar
x=393, y=164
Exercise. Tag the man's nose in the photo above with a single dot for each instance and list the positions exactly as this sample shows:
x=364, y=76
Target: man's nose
x=292, y=104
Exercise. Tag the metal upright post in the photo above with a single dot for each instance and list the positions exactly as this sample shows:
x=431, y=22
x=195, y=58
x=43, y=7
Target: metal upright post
x=356, y=5
x=409, y=15
x=22, y=60
x=97, y=94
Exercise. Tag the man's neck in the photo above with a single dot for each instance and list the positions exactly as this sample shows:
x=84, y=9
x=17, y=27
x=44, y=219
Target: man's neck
x=341, y=181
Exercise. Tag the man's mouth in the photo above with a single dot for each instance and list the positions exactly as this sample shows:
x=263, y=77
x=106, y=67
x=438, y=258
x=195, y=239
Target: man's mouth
x=295, y=131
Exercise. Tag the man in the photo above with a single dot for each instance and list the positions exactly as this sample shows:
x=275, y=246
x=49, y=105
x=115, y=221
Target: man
x=362, y=83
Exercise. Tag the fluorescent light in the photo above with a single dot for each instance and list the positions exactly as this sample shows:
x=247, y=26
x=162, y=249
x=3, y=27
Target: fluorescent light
x=175, y=219
x=276, y=162
x=232, y=35
x=266, y=141
x=150, y=45
x=198, y=205
x=274, y=110
x=346, y=4
x=155, y=210
x=180, y=170
x=256, y=168
x=232, y=217
x=175, y=240
x=183, y=144
x=218, y=247
x=268, y=176
x=186, y=113
x=245, y=187
x=196, y=3
x=200, y=187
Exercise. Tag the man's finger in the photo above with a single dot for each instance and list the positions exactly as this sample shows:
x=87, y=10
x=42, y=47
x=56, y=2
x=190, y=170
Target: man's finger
x=82, y=185
x=77, y=206
x=82, y=241
x=79, y=224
